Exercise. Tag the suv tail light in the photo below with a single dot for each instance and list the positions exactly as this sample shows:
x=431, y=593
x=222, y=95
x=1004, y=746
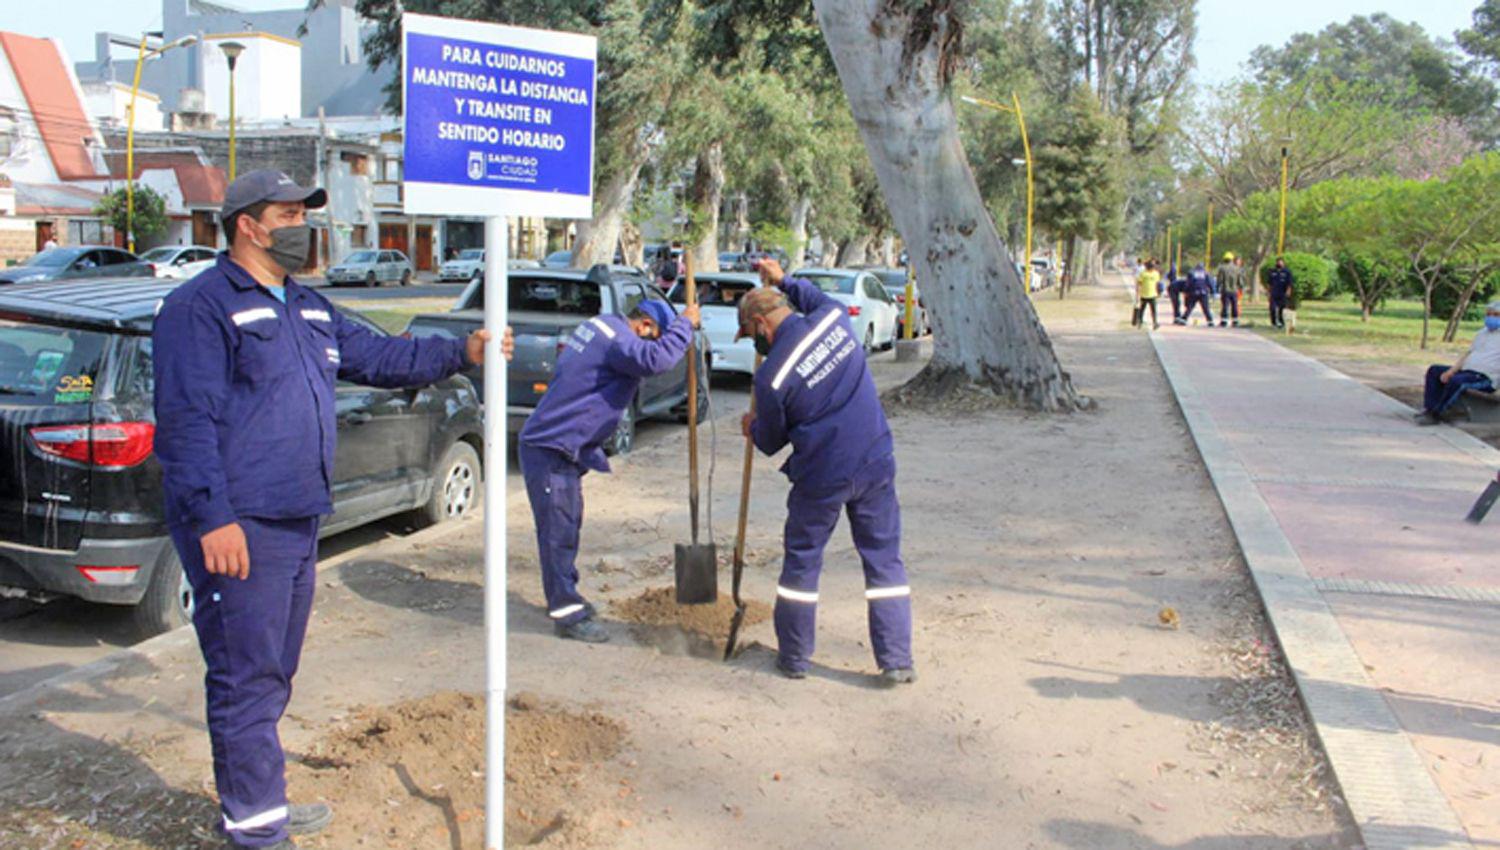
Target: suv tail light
x=112, y=444
x=854, y=311
x=152, y=267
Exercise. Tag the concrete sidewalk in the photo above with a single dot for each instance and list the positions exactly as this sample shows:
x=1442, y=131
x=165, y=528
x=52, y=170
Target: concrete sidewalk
x=1386, y=603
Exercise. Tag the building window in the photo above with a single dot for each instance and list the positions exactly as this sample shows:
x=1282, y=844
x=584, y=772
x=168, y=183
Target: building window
x=359, y=164
x=85, y=232
x=360, y=237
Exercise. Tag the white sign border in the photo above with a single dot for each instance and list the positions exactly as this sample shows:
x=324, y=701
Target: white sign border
x=446, y=199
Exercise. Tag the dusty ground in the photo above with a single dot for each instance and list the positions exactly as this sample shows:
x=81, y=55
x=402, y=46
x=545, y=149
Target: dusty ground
x=1055, y=709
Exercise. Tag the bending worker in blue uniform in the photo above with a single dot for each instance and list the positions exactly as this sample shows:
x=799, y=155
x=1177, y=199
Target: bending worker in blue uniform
x=814, y=390
x=246, y=362
x=597, y=376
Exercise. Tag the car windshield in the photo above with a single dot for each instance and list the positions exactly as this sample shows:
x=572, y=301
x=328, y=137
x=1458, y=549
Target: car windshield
x=560, y=257
x=159, y=255
x=361, y=257
x=545, y=295
x=53, y=258
x=713, y=292
x=892, y=279
x=831, y=283
x=43, y=364
x=471, y=254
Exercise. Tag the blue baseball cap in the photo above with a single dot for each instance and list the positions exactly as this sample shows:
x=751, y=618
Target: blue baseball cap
x=273, y=186
x=657, y=312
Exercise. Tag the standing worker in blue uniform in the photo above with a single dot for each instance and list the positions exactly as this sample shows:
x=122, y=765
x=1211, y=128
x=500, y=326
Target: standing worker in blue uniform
x=1280, y=283
x=246, y=361
x=597, y=376
x=814, y=390
x=1199, y=288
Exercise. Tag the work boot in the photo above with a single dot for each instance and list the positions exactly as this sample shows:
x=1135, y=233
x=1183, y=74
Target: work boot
x=789, y=671
x=308, y=818
x=898, y=676
x=1426, y=418
x=283, y=844
x=587, y=631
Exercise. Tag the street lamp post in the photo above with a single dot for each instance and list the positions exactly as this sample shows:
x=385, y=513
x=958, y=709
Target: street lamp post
x=141, y=56
x=1208, y=250
x=1015, y=109
x=232, y=51
x=1281, y=230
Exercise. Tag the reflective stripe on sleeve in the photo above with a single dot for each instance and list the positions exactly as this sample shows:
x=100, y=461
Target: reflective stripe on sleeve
x=265, y=818
x=796, y=595
x=245, y=317
x=603, y=326
x=317, y=315
x=887, y=592
x=813, y=336
x=566, y=611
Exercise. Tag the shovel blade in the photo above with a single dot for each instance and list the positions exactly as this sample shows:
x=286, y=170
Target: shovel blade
x=697, y=573
x=734, y=630
x=1486, y=501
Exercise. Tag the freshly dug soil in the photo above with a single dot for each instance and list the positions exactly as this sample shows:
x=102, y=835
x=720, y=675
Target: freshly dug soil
x=417, y=770
x=658, y=608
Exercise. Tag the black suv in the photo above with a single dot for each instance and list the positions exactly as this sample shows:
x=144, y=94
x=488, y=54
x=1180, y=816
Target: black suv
x=545, y=307
x=81, y=493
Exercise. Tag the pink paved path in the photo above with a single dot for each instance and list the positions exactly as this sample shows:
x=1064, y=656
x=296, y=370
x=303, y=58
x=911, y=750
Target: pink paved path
x=1362, y=494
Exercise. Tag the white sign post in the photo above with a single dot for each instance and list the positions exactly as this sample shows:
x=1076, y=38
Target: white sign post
x=499, y=121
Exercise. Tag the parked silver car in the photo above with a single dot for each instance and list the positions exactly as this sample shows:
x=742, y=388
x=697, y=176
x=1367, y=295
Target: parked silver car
x=372, y=268
x=180, y=262
x=468, y=265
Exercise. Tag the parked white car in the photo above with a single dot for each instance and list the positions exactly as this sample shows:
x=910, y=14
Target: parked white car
x=179, y=262
x=719, y=297
x=872, y=310
x=467, y=266
x=372, y=268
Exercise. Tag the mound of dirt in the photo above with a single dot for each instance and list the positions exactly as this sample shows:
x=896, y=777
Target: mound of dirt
x=658, y=608
x=412, y=775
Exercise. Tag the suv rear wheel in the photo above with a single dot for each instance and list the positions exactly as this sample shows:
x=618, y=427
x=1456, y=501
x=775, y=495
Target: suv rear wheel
x=623, y=439
x=370, y=280
x=457, y=486
x=168, y=602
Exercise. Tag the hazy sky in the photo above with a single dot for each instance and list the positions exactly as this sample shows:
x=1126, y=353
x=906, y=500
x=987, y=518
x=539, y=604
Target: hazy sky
x=1228, y=29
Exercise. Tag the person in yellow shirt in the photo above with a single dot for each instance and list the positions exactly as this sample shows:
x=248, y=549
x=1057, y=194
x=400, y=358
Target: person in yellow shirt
x=1146, y=286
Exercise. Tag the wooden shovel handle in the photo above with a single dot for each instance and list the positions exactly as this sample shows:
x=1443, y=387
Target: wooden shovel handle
x=739, y=537
x=692, y=376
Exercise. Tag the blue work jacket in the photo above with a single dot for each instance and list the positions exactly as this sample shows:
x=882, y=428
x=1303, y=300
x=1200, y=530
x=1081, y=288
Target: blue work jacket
x=1280, y=282
x=245, y=394
x=1200, y=283
x=815, y=391
x=597, y=376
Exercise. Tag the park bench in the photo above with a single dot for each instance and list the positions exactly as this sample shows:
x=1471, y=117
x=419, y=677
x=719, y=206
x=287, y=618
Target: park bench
x=1483, y=407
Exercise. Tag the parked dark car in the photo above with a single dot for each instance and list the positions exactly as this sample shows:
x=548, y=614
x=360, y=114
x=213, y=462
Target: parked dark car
x=81, y=493
x=545, y=307
x=75, y=262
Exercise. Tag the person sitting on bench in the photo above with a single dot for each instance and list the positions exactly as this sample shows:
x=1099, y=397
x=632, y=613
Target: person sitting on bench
x=1479, y=369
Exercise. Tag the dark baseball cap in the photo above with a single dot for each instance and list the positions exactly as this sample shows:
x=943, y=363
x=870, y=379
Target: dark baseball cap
x=256, y=186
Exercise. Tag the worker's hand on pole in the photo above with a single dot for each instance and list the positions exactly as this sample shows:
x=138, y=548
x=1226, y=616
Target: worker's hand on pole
x=771, y=273
x=508, y=344
x=693, y=314
x=475, y=346
x=225, y=552
x=747, y=422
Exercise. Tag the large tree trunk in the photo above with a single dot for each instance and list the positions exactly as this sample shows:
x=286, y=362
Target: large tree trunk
x=598, y=236
x=854, y=252
x=632, y=246
x=707, y=195
x=895, y=59
x=801, y=209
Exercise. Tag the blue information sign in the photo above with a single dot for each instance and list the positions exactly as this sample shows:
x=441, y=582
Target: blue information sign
x=499, y=119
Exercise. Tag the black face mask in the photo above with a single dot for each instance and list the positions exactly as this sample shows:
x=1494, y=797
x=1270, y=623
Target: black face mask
x=762, y=344
x=289, y=246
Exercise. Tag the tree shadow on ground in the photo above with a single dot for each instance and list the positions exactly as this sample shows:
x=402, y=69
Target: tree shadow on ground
x=64, y=789
x=1089, y=835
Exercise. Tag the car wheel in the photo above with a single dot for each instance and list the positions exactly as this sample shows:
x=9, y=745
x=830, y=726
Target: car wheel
x=894, y=336
x=869, y=337
x=406, y=277
x=168, y=601
x=370, y=280
x=457, y=486
x=477, y=275
x=623, y=439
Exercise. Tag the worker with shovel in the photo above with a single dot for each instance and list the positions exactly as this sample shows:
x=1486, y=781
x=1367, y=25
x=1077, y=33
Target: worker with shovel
x=597, y=376
x=814, y=390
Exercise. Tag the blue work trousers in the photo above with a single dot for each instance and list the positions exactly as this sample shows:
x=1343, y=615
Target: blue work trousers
x=1439, y=396
x=875, y=522
x=554, y=485
x=250, y=631
x=1229, y=306
x=1196, y=299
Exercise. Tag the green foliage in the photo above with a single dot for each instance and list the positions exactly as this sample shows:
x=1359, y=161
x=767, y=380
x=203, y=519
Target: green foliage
x=1078, y=185
x=149, y=218
x=1313, y=276
x=1482, y=41
x=1370, y=277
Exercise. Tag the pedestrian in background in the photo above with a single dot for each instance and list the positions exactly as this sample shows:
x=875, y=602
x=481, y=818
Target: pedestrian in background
x=1147, y=286
x=1175, y=289
x=1478, y=369
x=1280, y=283
x=1231, y=280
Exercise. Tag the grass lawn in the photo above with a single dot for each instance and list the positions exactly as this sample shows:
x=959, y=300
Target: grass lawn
x=394, y=314
x=1332, y=330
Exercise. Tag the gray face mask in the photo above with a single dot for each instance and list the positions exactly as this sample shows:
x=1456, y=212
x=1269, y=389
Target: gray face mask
x=290, y=246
